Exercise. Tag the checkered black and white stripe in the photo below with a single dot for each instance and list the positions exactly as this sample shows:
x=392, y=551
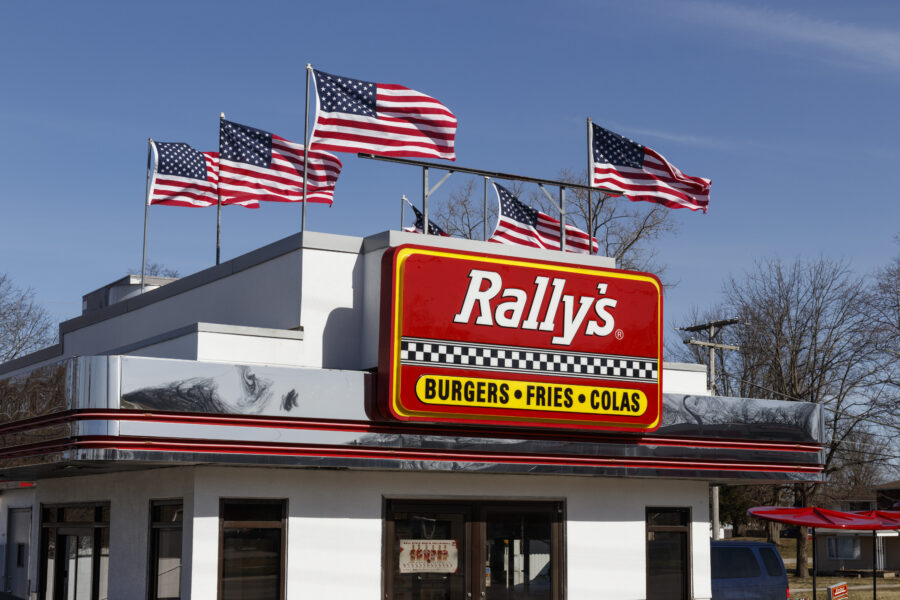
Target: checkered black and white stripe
x=442, y=353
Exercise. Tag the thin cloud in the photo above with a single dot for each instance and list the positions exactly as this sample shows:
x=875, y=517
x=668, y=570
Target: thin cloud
x=867, y=46
x=679, y=138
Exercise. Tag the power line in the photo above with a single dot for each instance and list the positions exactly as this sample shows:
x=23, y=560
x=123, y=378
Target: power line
x=713, y=327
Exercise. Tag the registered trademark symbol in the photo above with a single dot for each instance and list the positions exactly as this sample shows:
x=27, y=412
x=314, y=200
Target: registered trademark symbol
x=619, y=334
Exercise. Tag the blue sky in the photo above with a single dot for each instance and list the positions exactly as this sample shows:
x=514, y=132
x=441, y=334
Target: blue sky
x=790, y=107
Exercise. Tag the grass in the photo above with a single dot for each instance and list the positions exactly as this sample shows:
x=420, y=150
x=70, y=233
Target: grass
x=860, y=589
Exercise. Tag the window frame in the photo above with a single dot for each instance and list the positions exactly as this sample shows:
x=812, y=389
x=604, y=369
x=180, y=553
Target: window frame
x=281, y=525
x=58, y=528
x=831, y=547
x=152, y=544
x=687, y=592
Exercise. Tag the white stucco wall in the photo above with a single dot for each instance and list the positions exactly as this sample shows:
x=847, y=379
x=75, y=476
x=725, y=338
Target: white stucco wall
x=266, y=295
x=684, y=378
x=335, y=522
x=129, y=495
x=332, y=309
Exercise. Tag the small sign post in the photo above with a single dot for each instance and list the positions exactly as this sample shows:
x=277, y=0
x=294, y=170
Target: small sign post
x=838, y=591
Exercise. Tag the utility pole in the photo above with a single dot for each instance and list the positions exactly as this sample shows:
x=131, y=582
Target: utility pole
x=713, y=327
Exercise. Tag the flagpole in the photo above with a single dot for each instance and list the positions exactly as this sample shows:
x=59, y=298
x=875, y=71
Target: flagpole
x=403, y=202
x=425, y=200
x=590, y=210
x=219, y=198
x=484, y=211
x=146, y=214
x=562, y=219
x=305, y=149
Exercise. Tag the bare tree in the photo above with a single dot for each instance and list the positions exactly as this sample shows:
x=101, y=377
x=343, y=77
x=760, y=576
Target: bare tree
x=157, y=270
x=883, y=311
x=462, y=214
x=25, y=326
x=734, y=500
x=624, y=230
x=807, y=337
x=857, y=468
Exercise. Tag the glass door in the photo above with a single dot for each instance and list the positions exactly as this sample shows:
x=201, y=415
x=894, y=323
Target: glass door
x=427, y=560
x=74, y=555
x=76, y=567
x=473, y=551
x=517, y=555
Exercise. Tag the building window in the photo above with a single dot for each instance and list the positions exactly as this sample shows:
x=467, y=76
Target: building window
x=479, y=549
x=74, y=552
x=166, y=524
x=668, y=553
x=842, y=547
x=252, y=549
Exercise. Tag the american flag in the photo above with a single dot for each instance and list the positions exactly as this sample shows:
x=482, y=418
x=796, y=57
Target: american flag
x=183, y=176
x=640, y=173
x=419, y=226
x=256, y=164
x=524, y=226
x=380, y=118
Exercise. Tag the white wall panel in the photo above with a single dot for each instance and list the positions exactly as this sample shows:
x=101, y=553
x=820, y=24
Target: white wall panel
x=335, y=528
x=266, y=295
x=129, y=496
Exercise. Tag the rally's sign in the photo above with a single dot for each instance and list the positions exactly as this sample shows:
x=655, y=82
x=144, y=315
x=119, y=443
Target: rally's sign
x=477, y=338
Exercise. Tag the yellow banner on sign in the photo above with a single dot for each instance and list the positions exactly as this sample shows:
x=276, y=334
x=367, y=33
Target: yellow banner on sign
x=530, y=395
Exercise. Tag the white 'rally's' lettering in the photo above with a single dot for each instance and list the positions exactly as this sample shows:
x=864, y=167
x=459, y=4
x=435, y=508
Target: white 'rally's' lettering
x=485, y=286
x=476, y=294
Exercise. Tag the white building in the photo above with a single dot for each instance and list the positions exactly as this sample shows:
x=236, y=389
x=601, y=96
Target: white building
x=223, y=436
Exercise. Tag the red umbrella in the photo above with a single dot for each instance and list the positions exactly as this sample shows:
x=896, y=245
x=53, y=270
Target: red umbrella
x=890, y=519
x=819, y=517
x=871, y=520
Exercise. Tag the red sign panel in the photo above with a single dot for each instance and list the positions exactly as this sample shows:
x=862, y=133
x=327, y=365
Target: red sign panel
x=477, y=338
x=838, y=591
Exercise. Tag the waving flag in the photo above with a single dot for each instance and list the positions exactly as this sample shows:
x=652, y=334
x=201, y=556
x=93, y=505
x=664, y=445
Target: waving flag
x=183, y=176
x=640, y=173
x=419, y=226
x=258, y=165
x=380, y=118
x=524, y=226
